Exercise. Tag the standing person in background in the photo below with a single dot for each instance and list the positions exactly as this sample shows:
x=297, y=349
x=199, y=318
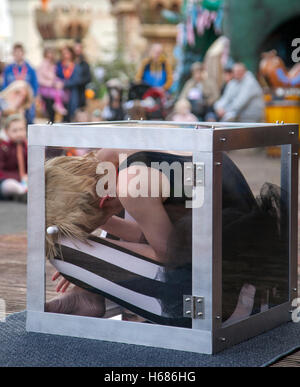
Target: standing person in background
x=155, y=70
x=85, y=73
x=21, y=70
x=51, y=87
x=69, y=72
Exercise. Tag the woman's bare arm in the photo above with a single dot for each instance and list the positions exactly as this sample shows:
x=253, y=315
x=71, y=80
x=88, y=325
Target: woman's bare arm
x=148, y=212
x=154, y=222
x=128, y=230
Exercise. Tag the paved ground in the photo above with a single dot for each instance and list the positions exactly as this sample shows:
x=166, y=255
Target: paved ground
x=13, y=217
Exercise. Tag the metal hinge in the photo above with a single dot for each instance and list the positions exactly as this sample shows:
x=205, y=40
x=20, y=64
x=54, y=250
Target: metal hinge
x=194, y=174
x=193, y=307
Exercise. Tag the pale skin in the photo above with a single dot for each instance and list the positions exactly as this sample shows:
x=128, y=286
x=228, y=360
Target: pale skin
x=16, y=99
x=19, y=55
x=156, y=51
x=66, y=56
x=16, y=131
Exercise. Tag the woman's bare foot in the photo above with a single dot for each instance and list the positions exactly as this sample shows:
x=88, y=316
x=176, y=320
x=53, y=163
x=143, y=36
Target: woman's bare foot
x=78, y=301
x=244, y=305
x=264, y=301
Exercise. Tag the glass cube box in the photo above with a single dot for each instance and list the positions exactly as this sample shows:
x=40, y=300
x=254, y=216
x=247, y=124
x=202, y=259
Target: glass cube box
x=171, y=235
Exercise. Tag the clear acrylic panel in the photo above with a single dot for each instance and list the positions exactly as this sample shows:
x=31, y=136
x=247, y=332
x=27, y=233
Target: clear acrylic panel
x=119, y=228
x=255, y=247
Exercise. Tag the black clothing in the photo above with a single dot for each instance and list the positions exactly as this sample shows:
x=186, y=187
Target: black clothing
x=254, y=231
x=85, y=79
x=49, y=108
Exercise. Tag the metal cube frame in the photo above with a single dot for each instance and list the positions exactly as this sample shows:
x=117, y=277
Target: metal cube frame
x=206, y=141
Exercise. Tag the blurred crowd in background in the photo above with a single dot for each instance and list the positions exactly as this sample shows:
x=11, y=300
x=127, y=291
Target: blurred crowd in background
x=62, y=89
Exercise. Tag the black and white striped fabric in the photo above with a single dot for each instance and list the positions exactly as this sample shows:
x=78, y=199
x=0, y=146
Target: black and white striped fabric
x=133, y=281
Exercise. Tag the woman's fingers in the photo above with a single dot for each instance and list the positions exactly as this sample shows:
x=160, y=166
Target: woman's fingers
x=62, y=285
x=55, y=276
x=65, y=287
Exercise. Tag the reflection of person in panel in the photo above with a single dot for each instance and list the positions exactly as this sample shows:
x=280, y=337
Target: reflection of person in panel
x=161, y=227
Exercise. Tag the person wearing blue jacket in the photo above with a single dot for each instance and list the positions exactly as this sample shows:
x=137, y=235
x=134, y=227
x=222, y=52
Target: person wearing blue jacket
x=155, y=70
x=21, y=70
x=68, y=71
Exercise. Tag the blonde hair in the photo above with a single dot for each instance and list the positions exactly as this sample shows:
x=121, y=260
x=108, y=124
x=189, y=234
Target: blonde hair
x=19, y=84
x=12, y=118
x=72, y=204
x=182, y=104
x=197, y=66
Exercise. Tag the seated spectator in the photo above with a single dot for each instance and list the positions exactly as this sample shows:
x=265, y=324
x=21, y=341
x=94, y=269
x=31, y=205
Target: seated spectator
x=96, y=115
x=82, y=115
x=50, y=86
x=199, y=91
x=69, y=72
x=182, y=112
x=242, y=99
x=227, y=77
x=114, y=111
x=16, y=98
x=137, y=111
x=21, y=70
x=155, y=70
x=13, y=159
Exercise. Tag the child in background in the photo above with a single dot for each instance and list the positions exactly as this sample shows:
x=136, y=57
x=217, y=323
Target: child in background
x=13, y=159
x=51, y=87
x=81, y=115
x=182, y=112
x=16, y=98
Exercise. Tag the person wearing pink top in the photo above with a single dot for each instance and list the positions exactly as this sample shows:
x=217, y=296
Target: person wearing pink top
x=51, y=87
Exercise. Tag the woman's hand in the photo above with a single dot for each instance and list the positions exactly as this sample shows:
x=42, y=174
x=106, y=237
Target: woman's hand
x=62, y=285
